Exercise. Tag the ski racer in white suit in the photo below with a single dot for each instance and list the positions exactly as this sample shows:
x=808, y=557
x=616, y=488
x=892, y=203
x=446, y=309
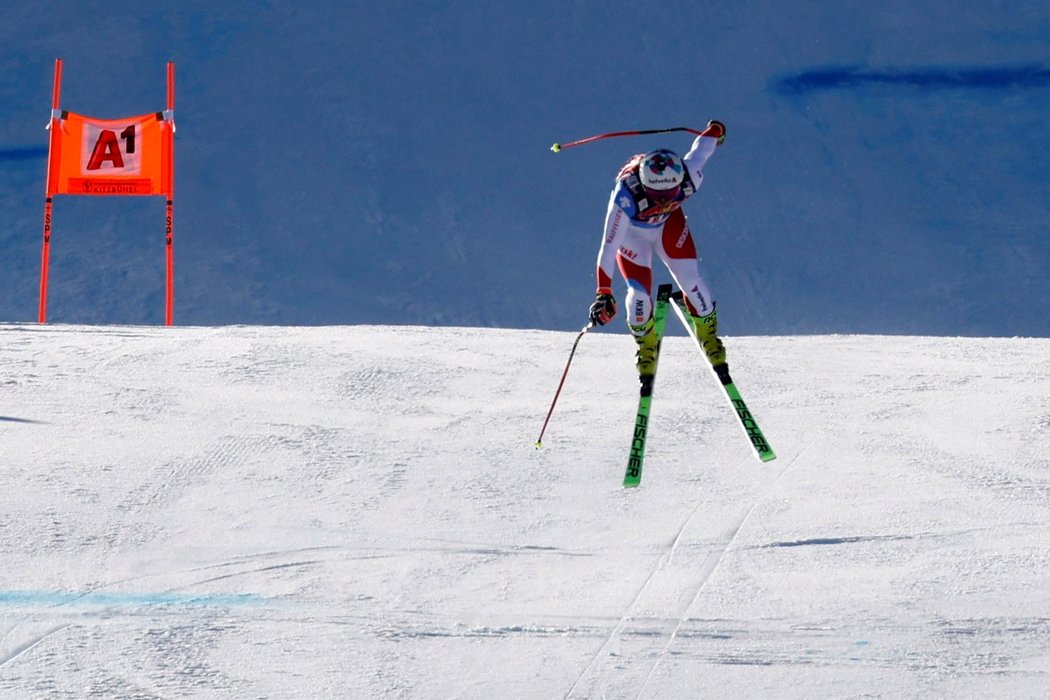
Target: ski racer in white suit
x=645, y=215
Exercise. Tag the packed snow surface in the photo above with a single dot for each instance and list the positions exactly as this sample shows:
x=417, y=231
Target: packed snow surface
x=361, y=511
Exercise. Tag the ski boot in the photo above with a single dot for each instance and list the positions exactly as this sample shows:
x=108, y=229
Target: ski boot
x=645, y=358
x=706, y=328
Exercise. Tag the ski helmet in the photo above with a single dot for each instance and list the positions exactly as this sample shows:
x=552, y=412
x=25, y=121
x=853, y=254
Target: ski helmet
x=661, y=170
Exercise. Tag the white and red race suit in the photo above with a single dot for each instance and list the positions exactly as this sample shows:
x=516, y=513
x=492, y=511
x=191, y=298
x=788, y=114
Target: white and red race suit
x=635, y=226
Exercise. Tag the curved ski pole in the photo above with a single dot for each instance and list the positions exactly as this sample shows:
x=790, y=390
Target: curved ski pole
x=558, y=147
x=565, y=373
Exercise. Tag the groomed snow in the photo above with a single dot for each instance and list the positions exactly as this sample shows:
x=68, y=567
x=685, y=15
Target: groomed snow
x=271, y=512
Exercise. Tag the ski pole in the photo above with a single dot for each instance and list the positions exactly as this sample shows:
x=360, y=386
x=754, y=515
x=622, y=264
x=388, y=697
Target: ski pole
x=559, y=146
x=539, y=440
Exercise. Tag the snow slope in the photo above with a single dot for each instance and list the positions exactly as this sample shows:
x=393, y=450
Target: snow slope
x=249, y=512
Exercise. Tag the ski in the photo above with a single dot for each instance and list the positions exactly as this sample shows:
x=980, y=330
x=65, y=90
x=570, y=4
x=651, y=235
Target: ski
x=633, y=477
x=759, y=444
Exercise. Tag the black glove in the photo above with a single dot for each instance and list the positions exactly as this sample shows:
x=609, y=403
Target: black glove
x=715, y=129
x=603, y=309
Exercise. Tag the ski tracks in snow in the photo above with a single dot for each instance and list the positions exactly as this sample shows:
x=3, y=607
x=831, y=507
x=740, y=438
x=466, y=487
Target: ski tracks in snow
x=628, y=614
x=711, y=563
x=716, y=554
x=11, y=654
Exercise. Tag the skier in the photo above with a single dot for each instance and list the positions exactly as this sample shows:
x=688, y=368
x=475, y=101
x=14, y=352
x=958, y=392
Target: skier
x=645, y=215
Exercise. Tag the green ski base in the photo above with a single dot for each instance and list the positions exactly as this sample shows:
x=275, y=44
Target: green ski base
x=759, y=444
x=633, y=477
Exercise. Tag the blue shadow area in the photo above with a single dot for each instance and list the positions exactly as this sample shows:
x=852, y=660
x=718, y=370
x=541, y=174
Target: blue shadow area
x=927, y=78
x=826, y=541
x=25, y=153
x=112, y=600
x=13, y=419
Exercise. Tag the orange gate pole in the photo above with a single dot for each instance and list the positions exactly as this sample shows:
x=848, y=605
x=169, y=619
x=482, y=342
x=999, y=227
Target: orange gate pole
x=54, y=150
x=169, y=188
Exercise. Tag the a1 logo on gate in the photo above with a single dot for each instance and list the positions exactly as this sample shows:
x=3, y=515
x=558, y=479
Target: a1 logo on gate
x=111, y=149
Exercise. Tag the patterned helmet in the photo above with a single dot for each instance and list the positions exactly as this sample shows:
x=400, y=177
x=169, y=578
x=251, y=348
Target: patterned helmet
x=661, y=170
